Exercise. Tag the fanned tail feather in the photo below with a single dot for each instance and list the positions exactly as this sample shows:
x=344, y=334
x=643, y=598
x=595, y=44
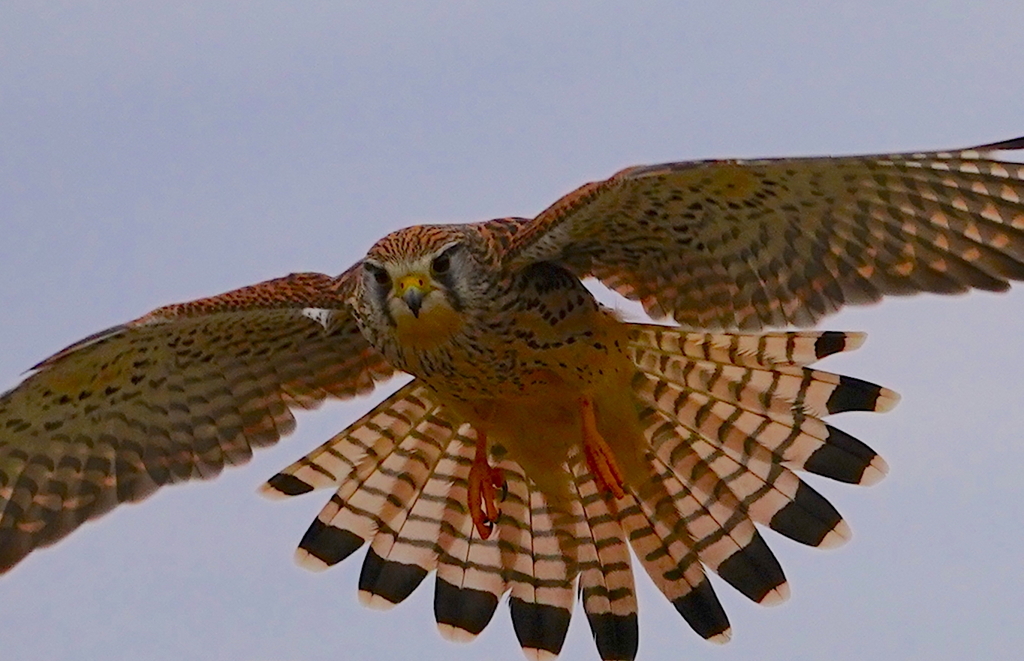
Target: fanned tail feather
x=749, y=480
x=469, y=579
x=722, y=537
x=606, y=576
x=771, y=401
x=332, y=463
x=539, y=557
x=770, y=350
x=727, y=419
x=378, y=465
x=666, y=551
x=404, y=549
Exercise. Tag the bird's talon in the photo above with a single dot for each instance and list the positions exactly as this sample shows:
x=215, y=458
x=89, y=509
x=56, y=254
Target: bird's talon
x=599, y=455
x=483, y=482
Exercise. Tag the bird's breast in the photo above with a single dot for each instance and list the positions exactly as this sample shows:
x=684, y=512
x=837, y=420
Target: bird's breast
x=541, y=338
x=434, y=327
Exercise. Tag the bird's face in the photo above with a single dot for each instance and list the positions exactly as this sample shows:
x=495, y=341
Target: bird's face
x=416, y=286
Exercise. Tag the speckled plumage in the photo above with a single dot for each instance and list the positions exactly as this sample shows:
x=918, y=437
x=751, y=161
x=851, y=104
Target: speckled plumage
x=511, y=354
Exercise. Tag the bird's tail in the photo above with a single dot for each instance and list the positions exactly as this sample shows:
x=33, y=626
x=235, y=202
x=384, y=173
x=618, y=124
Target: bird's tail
x=727, y=419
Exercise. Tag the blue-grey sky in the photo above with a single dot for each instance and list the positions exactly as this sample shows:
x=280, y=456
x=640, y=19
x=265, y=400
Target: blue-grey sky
x=155, y=152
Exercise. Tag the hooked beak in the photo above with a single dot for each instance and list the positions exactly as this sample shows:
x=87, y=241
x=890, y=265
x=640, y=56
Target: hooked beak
x=413, y=288
x=414, y=299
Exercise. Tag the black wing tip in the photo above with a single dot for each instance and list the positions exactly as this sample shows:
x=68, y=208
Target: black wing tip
x=14, y=546
x=828, y=343
x=617, y=636
x=808, y=518
x=289, y=485
x=329, y=544
x=852, y=394
x=387, y=579
x=539, y=626
x=842, y=457
x=702, y=611
x=755, y=572
x=463, y=608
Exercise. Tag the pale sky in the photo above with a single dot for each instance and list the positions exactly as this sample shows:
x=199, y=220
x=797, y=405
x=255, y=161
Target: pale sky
x=156, y=152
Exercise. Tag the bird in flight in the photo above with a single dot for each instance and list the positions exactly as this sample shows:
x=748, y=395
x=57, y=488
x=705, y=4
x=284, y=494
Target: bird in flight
x=541, y=436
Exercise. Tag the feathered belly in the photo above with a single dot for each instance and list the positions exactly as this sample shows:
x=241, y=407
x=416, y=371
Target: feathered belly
x=535, y=413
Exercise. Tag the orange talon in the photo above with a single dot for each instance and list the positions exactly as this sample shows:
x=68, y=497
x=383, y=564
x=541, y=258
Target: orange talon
x=483, y=482
x=600, y=457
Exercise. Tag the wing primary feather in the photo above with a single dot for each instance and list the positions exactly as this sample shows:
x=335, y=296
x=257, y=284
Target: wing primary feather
x=765, y=242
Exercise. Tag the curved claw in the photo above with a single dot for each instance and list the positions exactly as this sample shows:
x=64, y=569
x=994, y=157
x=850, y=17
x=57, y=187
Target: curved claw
x=484, y=481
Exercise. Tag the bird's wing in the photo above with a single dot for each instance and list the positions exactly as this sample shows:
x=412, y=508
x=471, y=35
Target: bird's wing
x=174, y=395
x=761, y=243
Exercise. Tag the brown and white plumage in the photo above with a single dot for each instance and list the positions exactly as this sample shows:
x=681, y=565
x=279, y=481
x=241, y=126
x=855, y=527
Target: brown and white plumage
x=599, y=436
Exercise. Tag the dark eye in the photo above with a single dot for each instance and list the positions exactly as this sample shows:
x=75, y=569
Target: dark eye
x=379, y=275
x=441, y=263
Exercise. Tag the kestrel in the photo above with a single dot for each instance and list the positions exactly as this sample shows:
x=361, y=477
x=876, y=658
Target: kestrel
x=541, y=436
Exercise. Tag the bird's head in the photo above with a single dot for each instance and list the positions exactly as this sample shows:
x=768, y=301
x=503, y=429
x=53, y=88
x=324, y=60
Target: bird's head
x=417, y=284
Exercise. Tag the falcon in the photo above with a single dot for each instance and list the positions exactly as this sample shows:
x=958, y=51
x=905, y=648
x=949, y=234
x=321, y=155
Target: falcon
x=541, y=436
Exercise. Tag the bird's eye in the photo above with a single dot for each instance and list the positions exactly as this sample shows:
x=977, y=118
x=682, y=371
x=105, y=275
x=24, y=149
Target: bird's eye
x=441, y=263
x=379, y=274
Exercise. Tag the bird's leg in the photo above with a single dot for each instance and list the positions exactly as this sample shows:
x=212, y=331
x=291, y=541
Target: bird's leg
x=483, y=480
x=600, y=458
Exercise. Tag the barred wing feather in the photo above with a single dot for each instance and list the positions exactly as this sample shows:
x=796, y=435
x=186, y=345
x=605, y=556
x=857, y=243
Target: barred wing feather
x=763, y=243
x=175, y=395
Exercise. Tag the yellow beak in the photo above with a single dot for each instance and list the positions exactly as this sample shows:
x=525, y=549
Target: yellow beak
x=413, y=288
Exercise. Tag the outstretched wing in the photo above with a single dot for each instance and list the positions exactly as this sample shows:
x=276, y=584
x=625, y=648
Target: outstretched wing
x=760, y=243
x=174, y=395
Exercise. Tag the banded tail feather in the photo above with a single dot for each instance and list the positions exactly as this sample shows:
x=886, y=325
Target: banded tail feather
x=381, y=483
x=702, y=509
x=776, y=408
x=606, y=585
x=540, y=564
x=669, y=559
x=796, y=348
x=727, y=420
x=405, y=550
x=469, y=582
x=331, y=463
x=779, y=389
